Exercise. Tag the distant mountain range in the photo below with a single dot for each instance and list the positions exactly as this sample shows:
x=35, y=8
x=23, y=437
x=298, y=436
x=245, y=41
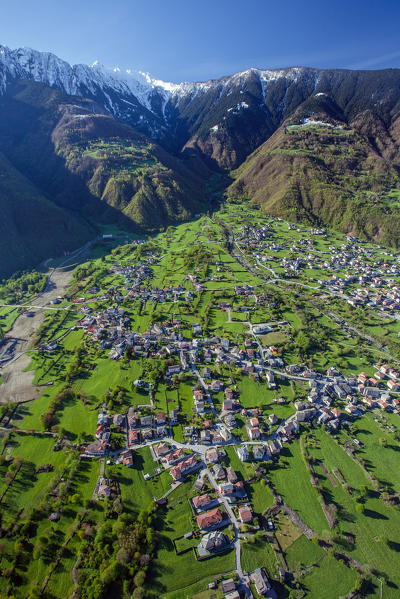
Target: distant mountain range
x=84, y=144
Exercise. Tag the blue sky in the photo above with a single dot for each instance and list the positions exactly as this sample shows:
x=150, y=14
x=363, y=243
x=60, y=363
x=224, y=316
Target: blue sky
x=178, y=40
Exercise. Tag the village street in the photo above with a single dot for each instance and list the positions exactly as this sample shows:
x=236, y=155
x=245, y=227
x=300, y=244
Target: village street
x=243, y=579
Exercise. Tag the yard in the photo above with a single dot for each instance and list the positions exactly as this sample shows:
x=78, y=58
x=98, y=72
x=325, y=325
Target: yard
x=176, y=522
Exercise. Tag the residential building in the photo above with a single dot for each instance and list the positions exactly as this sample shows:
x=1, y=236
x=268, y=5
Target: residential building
x=213, y=541
x=243, y=453
x=209, y=519
x=261, y=583
x=245, y=514
x=200, y=502
x=231, y=475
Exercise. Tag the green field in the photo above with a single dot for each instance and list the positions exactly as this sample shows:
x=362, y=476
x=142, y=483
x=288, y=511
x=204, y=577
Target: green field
x=293, y=483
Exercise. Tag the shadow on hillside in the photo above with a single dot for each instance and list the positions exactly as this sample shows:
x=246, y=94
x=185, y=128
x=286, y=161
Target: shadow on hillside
x=394, y=546
x=374, y=514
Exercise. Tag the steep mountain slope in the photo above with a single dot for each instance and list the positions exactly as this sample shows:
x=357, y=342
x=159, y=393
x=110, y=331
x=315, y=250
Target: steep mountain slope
x=223, y=120
x=70, y=166
x=88, y=162
x=125, y=170
x=31, y=227
x=320, y=168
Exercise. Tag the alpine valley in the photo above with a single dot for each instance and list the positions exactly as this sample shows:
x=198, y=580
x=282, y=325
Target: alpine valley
x=199, y=333
x=84, y=145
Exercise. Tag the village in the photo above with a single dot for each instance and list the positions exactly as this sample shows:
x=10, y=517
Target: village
x=333, y=400
x=355, y=276
x=215, y=388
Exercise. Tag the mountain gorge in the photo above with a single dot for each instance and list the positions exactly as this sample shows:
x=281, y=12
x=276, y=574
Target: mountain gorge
x=98, y=145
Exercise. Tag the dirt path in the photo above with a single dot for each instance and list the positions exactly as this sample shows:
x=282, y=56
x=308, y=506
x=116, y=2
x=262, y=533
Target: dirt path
x=17, y=385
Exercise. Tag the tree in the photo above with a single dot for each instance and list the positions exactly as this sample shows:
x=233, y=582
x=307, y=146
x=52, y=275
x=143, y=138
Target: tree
x=303, y=341
x=144, y=560
x=35, y=593
x=139, y=578
x=122, y=556
x=359, y=508
x=117, y=506
x=109, y=575
x=75, y=499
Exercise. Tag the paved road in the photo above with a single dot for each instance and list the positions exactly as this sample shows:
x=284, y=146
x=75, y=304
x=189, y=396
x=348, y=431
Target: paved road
x=243, y=579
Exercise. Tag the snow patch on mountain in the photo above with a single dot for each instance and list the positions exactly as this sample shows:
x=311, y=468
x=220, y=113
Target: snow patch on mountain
x=235, y=109
x=135, y=96
x=79, y=79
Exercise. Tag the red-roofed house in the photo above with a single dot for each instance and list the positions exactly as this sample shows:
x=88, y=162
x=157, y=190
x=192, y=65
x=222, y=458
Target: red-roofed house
x=245, y=514
x=201, y=501
x=209, y=519
x=177, y=472
x=133, y=437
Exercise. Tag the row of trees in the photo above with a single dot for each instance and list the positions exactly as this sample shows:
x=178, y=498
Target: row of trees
x=47, y=418
x=27, y=281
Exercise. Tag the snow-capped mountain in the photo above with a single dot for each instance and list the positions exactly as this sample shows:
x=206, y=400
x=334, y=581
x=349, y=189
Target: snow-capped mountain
x=133, y=96
x=149, y=104
x=83, y=79
x=223, y=119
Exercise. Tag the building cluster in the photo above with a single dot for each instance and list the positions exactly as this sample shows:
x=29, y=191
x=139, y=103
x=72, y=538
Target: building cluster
x=358, y=273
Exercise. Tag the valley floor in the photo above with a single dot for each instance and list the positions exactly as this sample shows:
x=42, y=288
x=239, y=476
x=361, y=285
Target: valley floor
x=216, y=399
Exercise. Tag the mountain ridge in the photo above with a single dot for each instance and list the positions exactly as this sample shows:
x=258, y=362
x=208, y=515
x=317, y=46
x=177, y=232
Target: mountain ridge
x=126, y=147
x=197, y=115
